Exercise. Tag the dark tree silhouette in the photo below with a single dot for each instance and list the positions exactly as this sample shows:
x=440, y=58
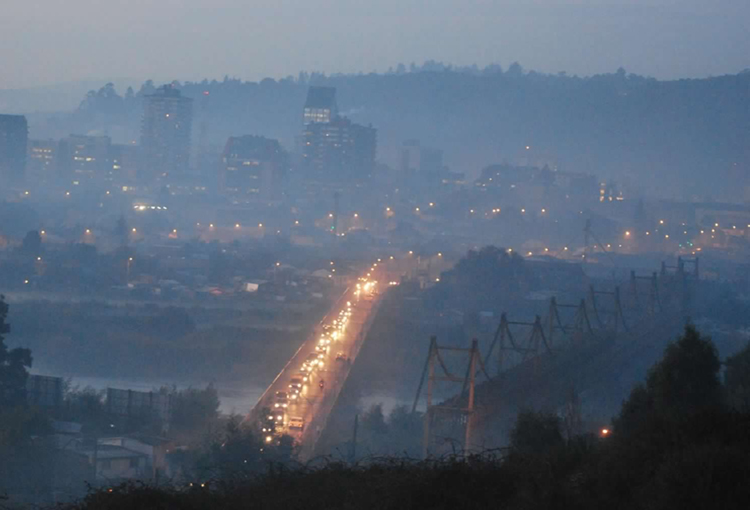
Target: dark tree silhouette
x=32, y=243
x=14, y=365
x=536, y=433
x=737, y=380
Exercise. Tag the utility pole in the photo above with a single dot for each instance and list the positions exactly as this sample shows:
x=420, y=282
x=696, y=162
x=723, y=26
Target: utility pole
x=474, y=354
x=336, y=197
x=353, y=457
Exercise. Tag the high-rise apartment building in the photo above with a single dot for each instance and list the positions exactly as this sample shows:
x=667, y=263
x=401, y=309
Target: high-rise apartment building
x=41, y=160
x=125, y=162
x=165, y=133
x=83, y=158
x=415, y=158
x=332, y=146
x=320, y=106
x=365, y=148
x=339, y=149
x=14, y=134
x=252, y=168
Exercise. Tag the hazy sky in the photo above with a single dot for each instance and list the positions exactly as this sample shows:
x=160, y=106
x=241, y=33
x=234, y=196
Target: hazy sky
x=52, y=41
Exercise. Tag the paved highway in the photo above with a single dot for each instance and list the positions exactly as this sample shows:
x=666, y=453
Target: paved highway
x=300, y=399
x=325, y=357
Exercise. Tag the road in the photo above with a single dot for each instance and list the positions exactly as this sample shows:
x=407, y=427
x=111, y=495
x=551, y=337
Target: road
x=305, y=417
x=356, y=308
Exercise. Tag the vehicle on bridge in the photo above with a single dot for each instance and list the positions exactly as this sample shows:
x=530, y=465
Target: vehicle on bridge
x=305, y=376
x=296, y=423
x=340, y=356
x=278, y=417
x=268, y=424
x=312, y=359
x=295, y=384
x=282, y=400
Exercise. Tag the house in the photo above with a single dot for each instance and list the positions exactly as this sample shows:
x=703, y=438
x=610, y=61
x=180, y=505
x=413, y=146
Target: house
x=115, y=462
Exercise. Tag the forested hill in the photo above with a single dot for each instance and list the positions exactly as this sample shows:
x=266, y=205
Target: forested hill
x=669, y=137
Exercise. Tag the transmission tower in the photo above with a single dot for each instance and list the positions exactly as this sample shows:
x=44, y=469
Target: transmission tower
x=616, y=316
x=452, y=412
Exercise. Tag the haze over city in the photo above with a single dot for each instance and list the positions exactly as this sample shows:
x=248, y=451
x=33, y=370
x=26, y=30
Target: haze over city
x=488, y=254
x=55, y=42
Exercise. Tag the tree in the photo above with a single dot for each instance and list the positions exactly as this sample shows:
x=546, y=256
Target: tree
x=683, y=384
x=536, y=433
x=87, y=407
x=686, y=381
x=737, y=380
x=241, y=453
x=32, y=243
x=121, y=231
x=13, y=366
x=515, y=70
x=194, y=411
x=405, y=431
x=485, y=279
x=373, y=420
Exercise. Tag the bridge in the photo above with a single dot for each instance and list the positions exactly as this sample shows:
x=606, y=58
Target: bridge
x=327, y=355
x=548, y=362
